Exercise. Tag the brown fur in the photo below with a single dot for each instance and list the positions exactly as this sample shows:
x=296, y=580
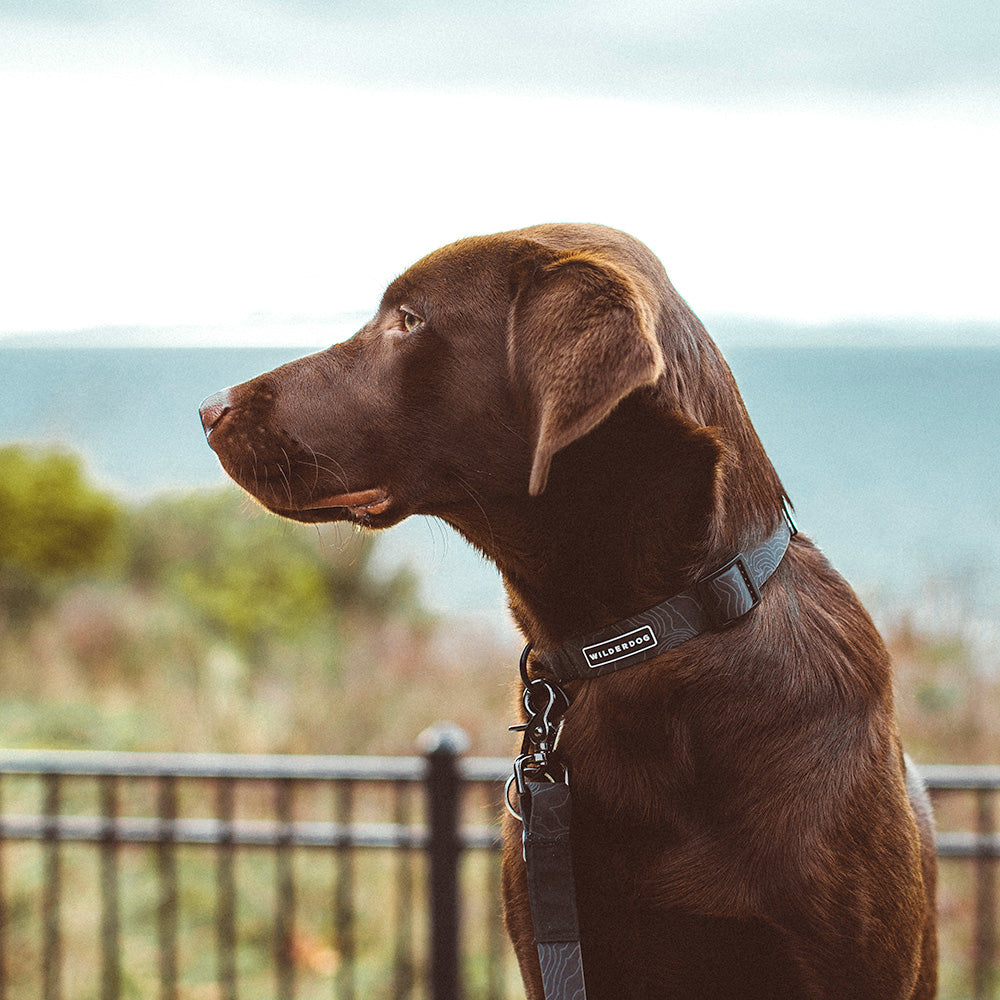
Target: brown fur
x=742, y=827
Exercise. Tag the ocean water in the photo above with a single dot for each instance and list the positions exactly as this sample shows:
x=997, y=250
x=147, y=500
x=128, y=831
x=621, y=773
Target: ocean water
x=889, y=455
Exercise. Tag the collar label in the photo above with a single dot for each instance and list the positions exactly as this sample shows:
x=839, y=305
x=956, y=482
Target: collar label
x=620, y=646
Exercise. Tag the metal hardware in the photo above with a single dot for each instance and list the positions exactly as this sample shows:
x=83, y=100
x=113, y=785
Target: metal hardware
x=544, y=703
x=792, y=526
x=729, y=592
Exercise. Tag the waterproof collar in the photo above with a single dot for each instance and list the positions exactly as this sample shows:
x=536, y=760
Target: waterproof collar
x=712, y=603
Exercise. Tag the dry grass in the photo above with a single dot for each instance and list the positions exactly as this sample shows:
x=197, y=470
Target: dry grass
x=113, y=669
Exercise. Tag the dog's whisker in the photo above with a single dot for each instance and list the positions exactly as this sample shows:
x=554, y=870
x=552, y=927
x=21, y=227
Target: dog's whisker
x=255, y=472
x=287, y=477
x=337, y=472
x=486, y=517
x=317, y=469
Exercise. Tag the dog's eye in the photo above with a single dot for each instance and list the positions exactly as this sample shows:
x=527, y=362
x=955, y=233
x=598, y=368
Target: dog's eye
x=410, y=320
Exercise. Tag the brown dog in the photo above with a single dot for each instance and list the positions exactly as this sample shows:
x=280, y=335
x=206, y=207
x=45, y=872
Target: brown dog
x=742, y=824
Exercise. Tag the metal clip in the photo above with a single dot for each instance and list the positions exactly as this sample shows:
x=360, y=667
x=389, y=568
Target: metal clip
x=541, y=733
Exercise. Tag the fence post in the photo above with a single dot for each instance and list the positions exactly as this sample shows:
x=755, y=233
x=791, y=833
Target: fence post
x=984, y=970
x=442, y=745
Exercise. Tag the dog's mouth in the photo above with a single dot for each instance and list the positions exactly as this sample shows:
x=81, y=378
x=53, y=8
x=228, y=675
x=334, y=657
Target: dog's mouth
x=360, y=506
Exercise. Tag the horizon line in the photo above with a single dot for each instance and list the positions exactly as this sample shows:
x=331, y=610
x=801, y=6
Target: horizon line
x=732, y=329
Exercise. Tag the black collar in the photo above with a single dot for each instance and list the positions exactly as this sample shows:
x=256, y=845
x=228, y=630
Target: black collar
x=713, y=602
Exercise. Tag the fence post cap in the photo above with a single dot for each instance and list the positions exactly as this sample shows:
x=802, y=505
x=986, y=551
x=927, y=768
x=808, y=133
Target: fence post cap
x=443, y=738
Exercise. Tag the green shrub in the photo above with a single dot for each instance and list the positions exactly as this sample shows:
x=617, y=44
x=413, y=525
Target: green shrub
x=52, y=522
x=53, y=526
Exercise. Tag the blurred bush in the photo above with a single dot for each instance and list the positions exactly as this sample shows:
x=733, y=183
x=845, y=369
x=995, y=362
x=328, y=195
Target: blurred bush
x=54, y=526
x=245, y=575
x=250, y=576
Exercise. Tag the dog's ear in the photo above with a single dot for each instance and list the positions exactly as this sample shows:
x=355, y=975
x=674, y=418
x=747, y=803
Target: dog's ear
x=581, y=338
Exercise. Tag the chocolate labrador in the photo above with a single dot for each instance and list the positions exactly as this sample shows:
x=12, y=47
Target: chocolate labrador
x=744, y=821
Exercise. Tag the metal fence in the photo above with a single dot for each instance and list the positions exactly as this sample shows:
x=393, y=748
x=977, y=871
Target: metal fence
x=188, y=877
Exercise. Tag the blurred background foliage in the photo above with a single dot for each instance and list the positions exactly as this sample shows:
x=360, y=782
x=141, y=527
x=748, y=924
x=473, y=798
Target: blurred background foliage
x=197, y=621
x=243, y=577
x=54, y=526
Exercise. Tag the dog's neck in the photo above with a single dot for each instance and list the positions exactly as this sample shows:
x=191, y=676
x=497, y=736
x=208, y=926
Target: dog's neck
x=634, y=512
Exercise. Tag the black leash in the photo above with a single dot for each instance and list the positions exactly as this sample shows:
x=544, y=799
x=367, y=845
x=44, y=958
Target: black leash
x=542, y=787
x=541, y=781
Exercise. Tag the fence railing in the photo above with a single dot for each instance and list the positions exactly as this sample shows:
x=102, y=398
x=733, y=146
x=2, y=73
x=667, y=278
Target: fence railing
x=189, y=876
x=978, y=845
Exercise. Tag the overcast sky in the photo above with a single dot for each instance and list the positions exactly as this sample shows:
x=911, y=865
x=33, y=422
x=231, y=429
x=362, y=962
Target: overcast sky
x=210, y=161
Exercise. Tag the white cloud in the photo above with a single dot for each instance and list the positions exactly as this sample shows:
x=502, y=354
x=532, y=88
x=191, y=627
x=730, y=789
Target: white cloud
x=696, y=50
x=187, y=198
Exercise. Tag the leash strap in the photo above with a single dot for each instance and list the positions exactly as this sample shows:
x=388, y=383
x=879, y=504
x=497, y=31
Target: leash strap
x=542, y=786
x=546, y=808
x=713, y=602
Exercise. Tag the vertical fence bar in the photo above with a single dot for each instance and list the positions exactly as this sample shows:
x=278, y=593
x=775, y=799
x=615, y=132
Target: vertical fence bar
x=984, y=967
x=3, y=899
x=166, y=866
x=225, y=923
x=110, y=915
x=443, y=745
x=403, y=958
x=51, y=934
x=343, y=895
x=284, y=904
x=494, y=928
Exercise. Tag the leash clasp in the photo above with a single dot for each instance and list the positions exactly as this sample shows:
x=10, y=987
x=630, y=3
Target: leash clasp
x=544, y=703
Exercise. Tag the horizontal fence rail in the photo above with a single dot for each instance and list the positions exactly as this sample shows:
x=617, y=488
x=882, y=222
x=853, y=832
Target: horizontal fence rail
x=298, y=877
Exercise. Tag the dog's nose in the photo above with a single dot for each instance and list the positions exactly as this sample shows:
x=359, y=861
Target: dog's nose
x=213, y=410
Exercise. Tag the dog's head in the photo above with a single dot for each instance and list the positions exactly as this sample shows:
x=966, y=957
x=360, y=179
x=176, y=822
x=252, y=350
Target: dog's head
x=485, y=359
